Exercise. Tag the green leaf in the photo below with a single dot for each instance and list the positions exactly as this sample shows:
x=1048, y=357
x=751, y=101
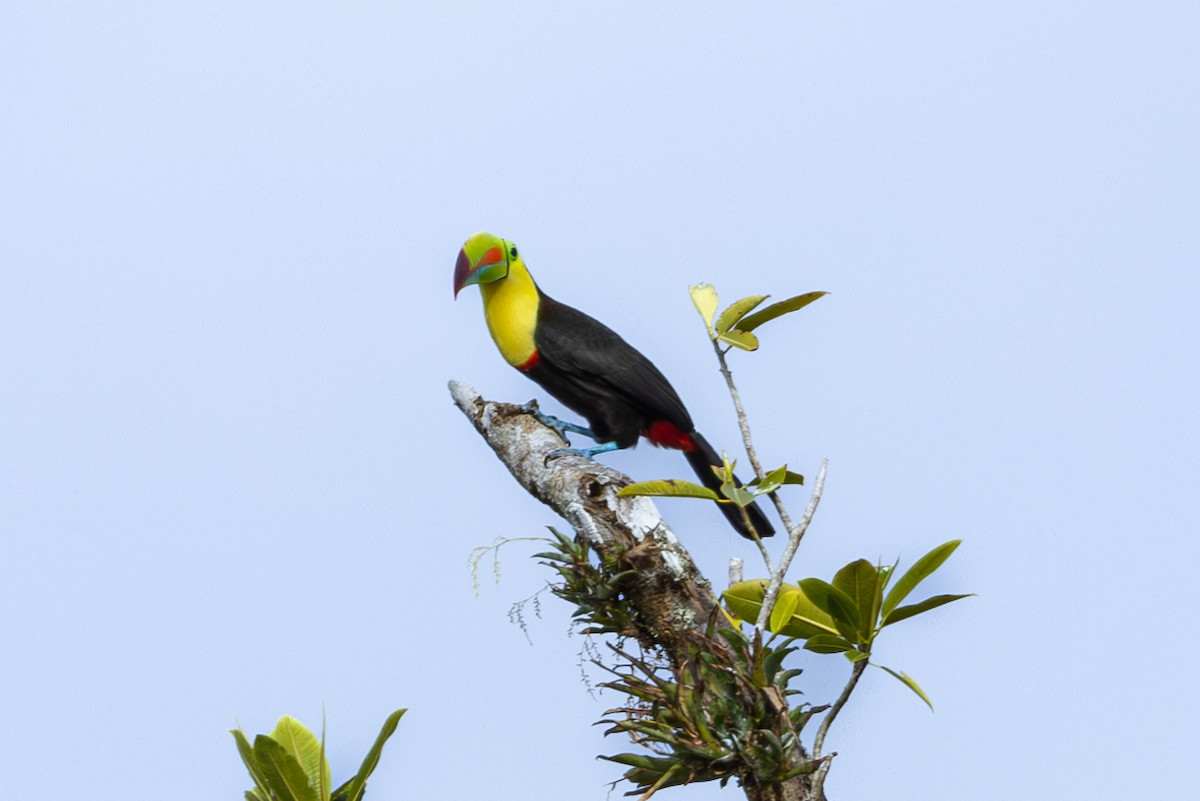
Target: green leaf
x=792, y=478
x=355, y=787
x=785, y=607
x=285, y=778
x=705, y=298
x=837, y=604
x=910, y=684
x=808, y=620
x=304, y=746
x=737, y=311
x=859, y=580
x=251, y=761
x=778, y=310
x=739, y=495
x=905, y=612
x=920, y=571
x=669, y=488
x=740, y=339
x=827, y=644
x=745, y=599
x=771, y=481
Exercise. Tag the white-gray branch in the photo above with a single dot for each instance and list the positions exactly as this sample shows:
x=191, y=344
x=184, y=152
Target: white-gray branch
x=671, y=597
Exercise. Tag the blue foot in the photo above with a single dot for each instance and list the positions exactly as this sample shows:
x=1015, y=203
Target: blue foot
x=561, y=426
x=586, y=453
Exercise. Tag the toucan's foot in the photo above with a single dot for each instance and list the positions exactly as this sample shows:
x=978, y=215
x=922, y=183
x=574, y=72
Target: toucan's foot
x=586, y=453
x=561, y=426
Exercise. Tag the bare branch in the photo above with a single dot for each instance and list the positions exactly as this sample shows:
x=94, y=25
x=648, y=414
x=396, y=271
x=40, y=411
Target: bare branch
x=855, y=675
x=795, y=534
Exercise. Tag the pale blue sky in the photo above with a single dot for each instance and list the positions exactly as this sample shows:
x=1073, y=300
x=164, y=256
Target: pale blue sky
x=232, y=485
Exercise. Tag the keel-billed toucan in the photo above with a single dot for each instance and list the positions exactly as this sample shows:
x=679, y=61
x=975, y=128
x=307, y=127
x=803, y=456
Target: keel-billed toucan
x=586, y=366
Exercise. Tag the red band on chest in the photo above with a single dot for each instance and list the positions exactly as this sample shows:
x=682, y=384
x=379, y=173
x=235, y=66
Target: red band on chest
x=529, y=363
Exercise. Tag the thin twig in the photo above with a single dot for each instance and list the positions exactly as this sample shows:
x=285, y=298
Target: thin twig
x=741, y=413
x=795, y=532
x=794, y=536
x=855, y=675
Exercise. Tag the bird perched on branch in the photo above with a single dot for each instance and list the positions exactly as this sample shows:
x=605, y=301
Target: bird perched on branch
x=587, y=367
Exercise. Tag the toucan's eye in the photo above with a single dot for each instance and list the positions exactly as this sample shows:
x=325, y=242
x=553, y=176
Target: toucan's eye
x=512, y=251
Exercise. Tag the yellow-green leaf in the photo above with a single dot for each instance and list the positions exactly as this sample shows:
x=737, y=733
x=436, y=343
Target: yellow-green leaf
x=737, y=311
x=740, y=339
x=778, y=310
x=745, y=599
x=771, y=481
x=739, y=495
x=785, y=606
x=905, y=612
x=304, y=746
x=828, y=644
x=837, y=604
x=910, y=683
x=920, y=571
x=285, y=778
x=859, y=580
x=357, y=785
x=705, y=299
x=669, y=488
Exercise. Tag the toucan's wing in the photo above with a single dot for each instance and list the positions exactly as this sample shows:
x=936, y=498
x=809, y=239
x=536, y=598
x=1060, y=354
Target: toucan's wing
x=591, y=353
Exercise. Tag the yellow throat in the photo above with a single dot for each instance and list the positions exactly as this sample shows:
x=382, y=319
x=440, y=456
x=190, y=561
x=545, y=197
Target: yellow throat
x=510, y=307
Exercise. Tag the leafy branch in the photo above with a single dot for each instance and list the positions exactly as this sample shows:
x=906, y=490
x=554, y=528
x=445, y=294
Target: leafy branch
x=289, y=764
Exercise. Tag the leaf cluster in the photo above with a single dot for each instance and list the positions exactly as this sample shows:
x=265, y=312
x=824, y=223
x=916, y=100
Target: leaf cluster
x=732, y=491
x=720, y=714
x=735, y=326
x=846, y=615
x=594, y=588
x=289, y=763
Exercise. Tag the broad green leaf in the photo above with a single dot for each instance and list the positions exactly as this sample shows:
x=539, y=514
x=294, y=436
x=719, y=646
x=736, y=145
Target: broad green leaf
x=737, y=311
x=793, y=478
x=740, y=339
x=745, y=599
x=910, y=684
x=837, y=604
x=785, y=607
x=859, y=580
x=739, y=495
x=669, y=488
x=285, y=778
x=304, y=746
x=920, y=571
x=778, y=310
x=855, y=655
x=355, y=787
x=251, y=761
x=771, y=481
x=807, y=620
x=905, y=612
x=705, y=298
x=827, y=644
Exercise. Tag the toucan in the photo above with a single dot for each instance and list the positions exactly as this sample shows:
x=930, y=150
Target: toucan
x=587, y=367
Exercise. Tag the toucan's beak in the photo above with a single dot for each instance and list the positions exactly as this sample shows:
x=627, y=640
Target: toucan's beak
x=490, y=267
x=461, y=270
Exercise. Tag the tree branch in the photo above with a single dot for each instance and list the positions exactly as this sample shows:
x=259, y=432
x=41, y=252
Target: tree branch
x=669, y=595
x=672, y=602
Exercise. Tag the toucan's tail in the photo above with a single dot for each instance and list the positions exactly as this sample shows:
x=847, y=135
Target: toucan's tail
x=703, y=459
